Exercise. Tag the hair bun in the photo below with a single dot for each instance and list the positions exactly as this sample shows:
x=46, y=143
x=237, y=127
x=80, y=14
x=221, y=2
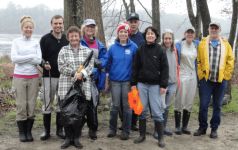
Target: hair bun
x=24, y=18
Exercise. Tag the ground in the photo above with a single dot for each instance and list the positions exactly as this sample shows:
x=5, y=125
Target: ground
x=228, y=138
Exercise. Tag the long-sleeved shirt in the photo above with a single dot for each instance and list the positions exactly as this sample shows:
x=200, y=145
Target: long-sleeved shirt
x=26, y=55
x=68, y=62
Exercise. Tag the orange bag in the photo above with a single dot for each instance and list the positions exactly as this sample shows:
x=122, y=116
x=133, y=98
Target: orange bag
x=135, y=102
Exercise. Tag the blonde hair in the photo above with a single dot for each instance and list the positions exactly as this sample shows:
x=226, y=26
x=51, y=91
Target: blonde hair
x=26, y=19
x=83, y=33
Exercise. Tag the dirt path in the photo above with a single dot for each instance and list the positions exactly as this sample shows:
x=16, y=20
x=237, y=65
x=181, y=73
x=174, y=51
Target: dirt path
x=228, y=139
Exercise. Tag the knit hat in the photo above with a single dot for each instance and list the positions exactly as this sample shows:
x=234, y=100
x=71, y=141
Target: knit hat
x=123, y=26
x=25, y=19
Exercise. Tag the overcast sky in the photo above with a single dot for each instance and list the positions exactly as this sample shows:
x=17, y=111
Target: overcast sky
x=170, y=6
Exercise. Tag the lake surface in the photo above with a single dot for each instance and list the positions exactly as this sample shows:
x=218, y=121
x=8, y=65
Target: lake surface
x=6, y=42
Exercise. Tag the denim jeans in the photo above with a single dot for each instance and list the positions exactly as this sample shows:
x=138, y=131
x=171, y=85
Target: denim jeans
x=120, y=96
x=206, y=90
x=150, y=98
x=170, y=94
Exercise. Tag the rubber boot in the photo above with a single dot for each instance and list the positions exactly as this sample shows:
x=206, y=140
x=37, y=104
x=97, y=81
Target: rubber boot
x=186, y=116
x=22, y=130
x=142, y=130
x=160, y=130
x=177, y=116
x=59, y=127
x=77, y=132
x=30, y=123
x=67, y=140
x=47, y=121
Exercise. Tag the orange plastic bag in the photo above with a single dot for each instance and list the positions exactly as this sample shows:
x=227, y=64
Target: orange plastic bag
x=135, y=102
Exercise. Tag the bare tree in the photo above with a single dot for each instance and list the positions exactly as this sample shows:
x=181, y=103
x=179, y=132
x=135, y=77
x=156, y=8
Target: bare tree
x=126, y=8
x=232, y=34
x=156, y=15
x=132, y=6
x=195, y=20
x=93, y=9
x=75, y=11
x=205, y=15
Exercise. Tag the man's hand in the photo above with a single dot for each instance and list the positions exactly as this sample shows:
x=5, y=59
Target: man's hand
x=162, y=91
x=47, y=66
x=133, y=87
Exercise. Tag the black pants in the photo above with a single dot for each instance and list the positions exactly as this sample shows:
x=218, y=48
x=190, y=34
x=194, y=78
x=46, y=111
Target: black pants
x=91, y=116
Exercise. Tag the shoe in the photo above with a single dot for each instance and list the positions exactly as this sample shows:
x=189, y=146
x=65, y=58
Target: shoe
x=142, y=130
x=46, y=120
x=167, y=132
x=213, y=134
x=92, y=134
x=111, y=134
x=124, y=136
x=22, y=130
x=199, y=132
x=68, y=136
x=30, y=123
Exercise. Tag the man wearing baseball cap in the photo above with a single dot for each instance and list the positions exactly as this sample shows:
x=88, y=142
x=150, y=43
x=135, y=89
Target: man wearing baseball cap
x=215, y=64
x=136, y=36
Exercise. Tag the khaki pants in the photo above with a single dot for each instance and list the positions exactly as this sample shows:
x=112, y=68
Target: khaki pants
x=26, y=95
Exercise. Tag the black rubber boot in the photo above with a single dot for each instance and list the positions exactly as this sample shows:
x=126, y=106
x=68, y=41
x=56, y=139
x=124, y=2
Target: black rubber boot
x=166, y=131
x=160, y=130
x=134, y=119
x=30, y=123
x=186, y=116
x=46, y=120
x=92, y=134
x=67, y=140
x=59, y=127
x=77, y=132
x=177, y=116
x=22, y=130
x=142, y=130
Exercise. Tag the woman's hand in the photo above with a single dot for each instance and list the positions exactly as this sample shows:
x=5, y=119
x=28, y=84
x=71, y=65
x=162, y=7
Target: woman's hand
x=78, y=76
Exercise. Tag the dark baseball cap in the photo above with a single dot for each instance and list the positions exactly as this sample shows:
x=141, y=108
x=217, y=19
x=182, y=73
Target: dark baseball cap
x=133, y=16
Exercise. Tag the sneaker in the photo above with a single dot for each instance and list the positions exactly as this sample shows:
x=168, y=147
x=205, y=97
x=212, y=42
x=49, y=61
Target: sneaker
x=124, y=136
x=111, y=134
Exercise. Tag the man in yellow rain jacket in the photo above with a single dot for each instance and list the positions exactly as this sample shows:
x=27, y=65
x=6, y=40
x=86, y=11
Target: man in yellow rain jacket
x=215, y=64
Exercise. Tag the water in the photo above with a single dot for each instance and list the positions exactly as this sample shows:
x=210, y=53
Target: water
x=6, y=42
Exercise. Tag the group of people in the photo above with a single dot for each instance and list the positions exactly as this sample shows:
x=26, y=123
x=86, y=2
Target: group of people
x=160, y=72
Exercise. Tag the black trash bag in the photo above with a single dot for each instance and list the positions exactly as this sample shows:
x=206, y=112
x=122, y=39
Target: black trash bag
x=74, y=106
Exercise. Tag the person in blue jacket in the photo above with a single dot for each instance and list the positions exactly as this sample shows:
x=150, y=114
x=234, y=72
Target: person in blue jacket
x=119, y=61
x=88, y=39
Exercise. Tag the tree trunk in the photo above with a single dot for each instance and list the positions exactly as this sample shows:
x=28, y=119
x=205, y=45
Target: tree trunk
x=73, y=13
x=195, y=20
x=233, y=22
x=132, y=6
x=205, y=15
x=156, y=16
x=93, y=9
x=231, y=39
x=236, y=46
x=126, y=8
